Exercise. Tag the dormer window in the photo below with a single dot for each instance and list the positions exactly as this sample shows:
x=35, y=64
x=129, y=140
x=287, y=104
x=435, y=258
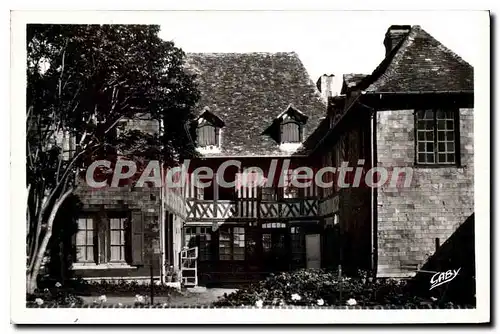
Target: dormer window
x=291, y=131
x=208, y=127
x=287, y=128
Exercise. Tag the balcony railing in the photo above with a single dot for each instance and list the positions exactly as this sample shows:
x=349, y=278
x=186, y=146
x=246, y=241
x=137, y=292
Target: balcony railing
x=251, y=208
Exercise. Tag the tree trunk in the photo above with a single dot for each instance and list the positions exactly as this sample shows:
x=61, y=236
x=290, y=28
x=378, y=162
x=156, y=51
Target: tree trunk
x=31, y=275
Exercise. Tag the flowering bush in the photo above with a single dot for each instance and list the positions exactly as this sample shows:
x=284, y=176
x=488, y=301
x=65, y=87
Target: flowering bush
x=322, y=288
x=53, y=296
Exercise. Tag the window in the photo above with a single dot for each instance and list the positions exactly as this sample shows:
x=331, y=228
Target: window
x=232, y=243
x=117, y=240
x=101, y=240
x=290, y=132
x=436, y=137
x=200, y=237
x=269, y=193
x=208, y=135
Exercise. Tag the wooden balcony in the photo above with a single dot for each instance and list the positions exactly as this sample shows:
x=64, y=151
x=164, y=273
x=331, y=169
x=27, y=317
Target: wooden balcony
x=251, y=208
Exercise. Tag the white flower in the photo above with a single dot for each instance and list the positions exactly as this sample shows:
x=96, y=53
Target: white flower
x=120, y=304
x=58, y=285
x=103, y=298
x=296, y=296
x=351, y=302
x=320, y=302
x=39, y=301
x=139, y=299
x=434, y=299
x=259, y=303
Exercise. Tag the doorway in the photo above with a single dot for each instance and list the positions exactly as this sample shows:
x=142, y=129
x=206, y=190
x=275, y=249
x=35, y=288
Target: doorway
x=275, y=247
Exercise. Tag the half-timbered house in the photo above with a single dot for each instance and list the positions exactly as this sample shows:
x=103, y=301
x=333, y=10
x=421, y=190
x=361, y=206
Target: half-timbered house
x=261, y=111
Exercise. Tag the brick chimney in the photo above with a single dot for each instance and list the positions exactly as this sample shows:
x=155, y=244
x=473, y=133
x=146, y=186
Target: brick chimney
x=394, y=35
x=329, y=85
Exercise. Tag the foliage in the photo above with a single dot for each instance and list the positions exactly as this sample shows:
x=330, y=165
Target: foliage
x=82, y=82
x=324, y=288
x=119, y=288
x=54, y=296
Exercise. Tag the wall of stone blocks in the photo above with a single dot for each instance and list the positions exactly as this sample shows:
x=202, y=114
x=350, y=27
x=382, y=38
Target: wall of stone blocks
x=437, y=202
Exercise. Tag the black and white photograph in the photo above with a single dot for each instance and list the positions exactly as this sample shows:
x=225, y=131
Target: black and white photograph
x=253, y=162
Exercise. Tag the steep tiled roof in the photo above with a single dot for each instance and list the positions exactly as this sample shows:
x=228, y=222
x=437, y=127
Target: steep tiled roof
x=248, y=91
x=420, y=63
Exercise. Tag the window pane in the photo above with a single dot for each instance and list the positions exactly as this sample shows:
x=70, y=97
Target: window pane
x=441, y=157
x=116, y=253
x=429, y=114
x=90, y=237
x=440, y=114
x=449, y=125
x=441, y=147
x=450, y=147
x=115, y=237
x=450, y=135
x=115, y=223
x=90, y=253
x=429, y=147
x=81, y=238
x=421, y=147
x=430, y=157
x=451, y=157
x=429, y=125
x=82, y=223
x=421, y=135
x=440, y=135
x=441, y=125
x=421, y=158
x=430, y=135
x=266, y=242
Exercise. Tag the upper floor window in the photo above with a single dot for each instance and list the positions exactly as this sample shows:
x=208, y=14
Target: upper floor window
x=208, y=129
x=437, y=137
x=290, y=132
x=208, y=135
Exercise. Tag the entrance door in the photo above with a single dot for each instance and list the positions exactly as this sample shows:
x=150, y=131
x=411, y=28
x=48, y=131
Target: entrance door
x=274, y=249
x=313, y=251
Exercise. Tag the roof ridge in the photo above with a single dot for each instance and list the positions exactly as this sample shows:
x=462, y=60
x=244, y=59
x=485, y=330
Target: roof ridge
x=215, y=54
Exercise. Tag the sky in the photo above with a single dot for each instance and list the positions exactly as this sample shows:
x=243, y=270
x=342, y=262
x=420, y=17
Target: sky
x=330, y=42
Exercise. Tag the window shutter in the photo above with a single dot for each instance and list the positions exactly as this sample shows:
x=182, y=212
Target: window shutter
x=137, y=227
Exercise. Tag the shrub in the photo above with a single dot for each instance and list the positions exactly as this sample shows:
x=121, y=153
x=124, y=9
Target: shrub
x=324, y=288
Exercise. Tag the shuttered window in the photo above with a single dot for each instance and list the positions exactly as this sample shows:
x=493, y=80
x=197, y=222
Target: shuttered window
x=290, y=132
x=208, y=135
